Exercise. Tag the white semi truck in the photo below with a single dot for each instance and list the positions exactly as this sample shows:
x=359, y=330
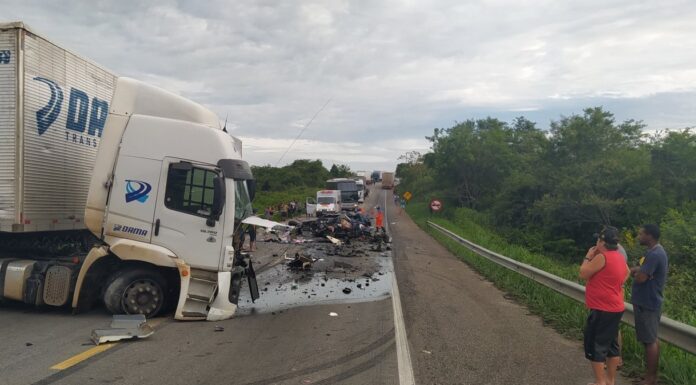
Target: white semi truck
x=134, y=200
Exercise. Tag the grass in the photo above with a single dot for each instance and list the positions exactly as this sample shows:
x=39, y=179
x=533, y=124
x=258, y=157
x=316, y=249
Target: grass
x=265, y=199
x=563, y=314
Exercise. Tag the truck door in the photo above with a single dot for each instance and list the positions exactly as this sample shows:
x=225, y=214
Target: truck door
x=183, y=214
x=311, y=205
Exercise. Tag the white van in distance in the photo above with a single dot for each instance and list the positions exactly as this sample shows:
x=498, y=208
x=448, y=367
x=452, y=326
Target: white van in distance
x=328, y=202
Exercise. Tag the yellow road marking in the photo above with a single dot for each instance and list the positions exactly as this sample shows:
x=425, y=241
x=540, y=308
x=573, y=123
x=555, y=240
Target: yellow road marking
x=76, y=359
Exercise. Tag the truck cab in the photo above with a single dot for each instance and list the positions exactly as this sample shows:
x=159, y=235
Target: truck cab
x=168, y=191
x=362, y=192
x=328, y=202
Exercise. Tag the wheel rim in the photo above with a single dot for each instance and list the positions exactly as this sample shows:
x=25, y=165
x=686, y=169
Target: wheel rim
x=142, y=297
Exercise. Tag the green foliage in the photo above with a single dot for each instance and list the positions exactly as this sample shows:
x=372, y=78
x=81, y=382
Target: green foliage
x=340, y=171
x=301, y=173
x=296, y=181
x=276, y=198
x=550, y=191
x=558, y=311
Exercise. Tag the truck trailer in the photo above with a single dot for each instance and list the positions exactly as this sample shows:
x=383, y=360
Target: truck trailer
x=114, y=191
x=387, y=180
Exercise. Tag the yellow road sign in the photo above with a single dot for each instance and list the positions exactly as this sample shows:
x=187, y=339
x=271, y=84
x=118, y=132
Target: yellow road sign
x=408, y=195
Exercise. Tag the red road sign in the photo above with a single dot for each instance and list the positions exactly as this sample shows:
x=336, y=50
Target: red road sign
x=436, y=205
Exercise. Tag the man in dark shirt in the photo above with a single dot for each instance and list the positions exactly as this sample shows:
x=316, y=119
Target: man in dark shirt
x=647, y=295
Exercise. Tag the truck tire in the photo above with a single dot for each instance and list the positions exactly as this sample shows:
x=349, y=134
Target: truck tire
x=136, y=290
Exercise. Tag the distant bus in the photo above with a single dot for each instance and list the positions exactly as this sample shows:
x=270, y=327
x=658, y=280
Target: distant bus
x=349, y=192
x=376, y=176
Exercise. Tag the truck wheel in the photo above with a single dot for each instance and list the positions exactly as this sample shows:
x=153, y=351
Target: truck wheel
x=136, y=291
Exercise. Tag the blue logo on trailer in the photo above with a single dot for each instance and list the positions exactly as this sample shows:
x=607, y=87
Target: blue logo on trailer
x=47, y=115
x=137, y=191
x=81, y=117
x=5, y=56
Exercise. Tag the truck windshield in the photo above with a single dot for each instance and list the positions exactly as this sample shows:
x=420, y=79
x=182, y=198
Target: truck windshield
x=326, y=200
x=242, y=203
x=349, y=196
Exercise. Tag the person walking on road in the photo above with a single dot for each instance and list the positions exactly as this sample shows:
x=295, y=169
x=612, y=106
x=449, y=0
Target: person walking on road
x=605, y=271
x=649, y=280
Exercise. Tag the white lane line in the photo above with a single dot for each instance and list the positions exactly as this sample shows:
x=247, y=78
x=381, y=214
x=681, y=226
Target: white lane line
x=403, y=352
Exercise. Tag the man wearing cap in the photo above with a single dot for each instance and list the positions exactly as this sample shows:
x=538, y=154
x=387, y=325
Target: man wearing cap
x=646, y=295
x=605, y=271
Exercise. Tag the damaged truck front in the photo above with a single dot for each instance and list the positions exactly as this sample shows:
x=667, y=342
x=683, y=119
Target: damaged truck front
x=133, y=200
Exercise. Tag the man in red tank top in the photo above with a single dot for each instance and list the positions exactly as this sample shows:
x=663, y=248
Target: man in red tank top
x=605, y=270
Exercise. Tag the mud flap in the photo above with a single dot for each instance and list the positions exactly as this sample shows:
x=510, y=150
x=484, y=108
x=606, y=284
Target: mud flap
x=251, y=279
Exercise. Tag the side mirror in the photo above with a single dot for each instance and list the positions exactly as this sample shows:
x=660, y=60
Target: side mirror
x=251, y=188
x=218, y=200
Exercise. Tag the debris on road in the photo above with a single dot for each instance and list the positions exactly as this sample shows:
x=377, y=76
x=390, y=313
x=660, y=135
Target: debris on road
x=347, y=290
x=332, y=314
x=123, y=327
x=219, y=329
x=333, y=240
x=300, y=262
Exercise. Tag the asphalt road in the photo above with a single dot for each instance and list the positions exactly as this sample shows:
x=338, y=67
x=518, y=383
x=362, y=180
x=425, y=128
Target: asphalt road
x=459, y=329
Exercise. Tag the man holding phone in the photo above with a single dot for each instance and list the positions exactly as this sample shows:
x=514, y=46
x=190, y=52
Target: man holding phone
x=646, y=295
x=605, y=270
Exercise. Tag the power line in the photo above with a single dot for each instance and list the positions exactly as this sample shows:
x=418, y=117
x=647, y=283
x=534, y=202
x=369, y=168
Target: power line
x=302, y=131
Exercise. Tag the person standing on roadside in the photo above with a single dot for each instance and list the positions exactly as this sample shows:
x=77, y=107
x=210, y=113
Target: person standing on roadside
x=605, y=271
x=379, y=218
x=252, y=237
x=649, y=280
x=284, y=211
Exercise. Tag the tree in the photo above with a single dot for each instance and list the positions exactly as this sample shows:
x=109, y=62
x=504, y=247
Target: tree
x=340, y=171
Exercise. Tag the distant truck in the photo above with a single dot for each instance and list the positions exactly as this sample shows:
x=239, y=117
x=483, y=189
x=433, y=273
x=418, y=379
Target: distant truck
x=349, y=192
x=362, y=191
x=376, y=176
x=114, y=191
x=387, y=180
x=328, y=202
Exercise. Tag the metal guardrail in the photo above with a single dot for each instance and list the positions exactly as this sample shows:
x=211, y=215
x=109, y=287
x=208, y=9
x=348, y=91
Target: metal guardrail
x=671, y=331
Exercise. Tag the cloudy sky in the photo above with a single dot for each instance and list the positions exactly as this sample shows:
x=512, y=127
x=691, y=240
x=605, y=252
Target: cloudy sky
x=391, y=70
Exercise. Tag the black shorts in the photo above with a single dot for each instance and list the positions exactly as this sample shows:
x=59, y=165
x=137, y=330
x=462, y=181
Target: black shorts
x=647, y=323
x=601, y=332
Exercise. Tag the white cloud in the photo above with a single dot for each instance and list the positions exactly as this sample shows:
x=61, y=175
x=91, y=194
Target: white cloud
x=394, y=69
